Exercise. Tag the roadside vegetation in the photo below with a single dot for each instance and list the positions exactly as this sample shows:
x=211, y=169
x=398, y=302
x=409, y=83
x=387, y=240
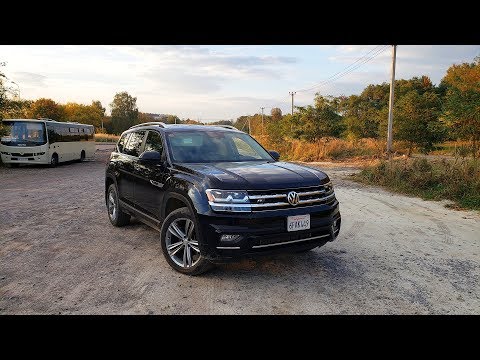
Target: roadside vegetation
x=107, y=138
x=457, y=180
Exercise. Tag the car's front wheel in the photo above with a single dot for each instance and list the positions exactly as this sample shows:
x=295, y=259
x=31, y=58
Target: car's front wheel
x=179, y=238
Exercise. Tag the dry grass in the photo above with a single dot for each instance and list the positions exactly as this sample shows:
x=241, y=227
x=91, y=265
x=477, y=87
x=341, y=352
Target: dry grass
x=456, y=180
x=106, y=137
x=327, y=149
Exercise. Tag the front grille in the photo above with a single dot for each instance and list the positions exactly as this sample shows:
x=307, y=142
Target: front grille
x=22, y=155
x=262, y=200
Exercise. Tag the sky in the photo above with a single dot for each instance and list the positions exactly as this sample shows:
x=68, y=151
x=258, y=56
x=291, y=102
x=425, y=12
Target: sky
x=221, y=82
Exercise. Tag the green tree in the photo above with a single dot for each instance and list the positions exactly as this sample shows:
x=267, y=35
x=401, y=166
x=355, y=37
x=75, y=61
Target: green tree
x=462, y=102
x=46, y=108
x=124, y=111
x=85, y=114
x=98, y=105
x=312, y=123
x=416, y=120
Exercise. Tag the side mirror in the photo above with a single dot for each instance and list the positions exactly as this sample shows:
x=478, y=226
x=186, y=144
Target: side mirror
x=150, y=157
x=274, y=154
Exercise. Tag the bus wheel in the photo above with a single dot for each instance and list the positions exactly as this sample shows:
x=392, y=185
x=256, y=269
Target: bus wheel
x=82, y=156
x=54, y=161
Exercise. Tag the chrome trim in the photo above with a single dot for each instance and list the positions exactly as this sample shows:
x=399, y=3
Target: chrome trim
x=263, y=205
x=228, y=247
x=311, y=193
x=289, y=242
x=273, y=196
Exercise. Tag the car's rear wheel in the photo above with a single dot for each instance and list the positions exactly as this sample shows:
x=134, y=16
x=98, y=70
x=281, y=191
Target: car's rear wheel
x=179, y=238
x=115, y=213
x=82, y=156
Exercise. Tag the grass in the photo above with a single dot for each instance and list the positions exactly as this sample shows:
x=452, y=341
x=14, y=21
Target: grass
x=328, y=149
x=455, y=180
x=106, y=137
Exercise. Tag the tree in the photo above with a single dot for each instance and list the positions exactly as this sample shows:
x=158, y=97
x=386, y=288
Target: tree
x=416, y=120
x=276, y=114
x=462, y=102
x=312, y=123
x=85, y=114
x=124, y=111
x=98, y=105
x=144, y=117
x=46, y=108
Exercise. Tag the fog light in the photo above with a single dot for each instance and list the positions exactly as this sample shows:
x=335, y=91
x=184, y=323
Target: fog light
x=230, y=238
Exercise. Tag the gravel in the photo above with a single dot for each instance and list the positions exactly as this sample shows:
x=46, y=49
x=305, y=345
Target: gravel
x=59, y=254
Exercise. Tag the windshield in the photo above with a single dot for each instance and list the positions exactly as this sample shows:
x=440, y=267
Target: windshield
x=23, y=133
x=214, y=146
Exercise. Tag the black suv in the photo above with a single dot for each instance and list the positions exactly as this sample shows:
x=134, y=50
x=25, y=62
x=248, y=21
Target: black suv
x=215, y=195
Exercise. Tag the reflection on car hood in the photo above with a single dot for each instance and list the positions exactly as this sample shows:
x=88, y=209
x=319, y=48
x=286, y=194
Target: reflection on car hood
x=256, y=175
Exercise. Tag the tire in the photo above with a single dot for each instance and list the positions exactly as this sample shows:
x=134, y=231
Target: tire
x=115, y=213
x=54, y=161
x=82, y=156
x=186, y=256
x=13, y=165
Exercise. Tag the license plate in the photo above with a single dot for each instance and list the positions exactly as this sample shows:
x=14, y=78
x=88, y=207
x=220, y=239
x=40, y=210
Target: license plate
x=298, y=222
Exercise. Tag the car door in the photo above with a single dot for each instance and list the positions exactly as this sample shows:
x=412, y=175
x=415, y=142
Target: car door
x=151, y=178
x=130, y=155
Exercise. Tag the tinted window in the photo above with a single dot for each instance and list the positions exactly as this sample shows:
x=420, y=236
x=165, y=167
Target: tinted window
x=134, y=143
x=121, y=143
x=214, y=146
x=24, y=132
x=154, y=142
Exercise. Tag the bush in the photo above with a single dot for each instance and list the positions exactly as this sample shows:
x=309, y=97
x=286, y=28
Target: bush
x=434, y=180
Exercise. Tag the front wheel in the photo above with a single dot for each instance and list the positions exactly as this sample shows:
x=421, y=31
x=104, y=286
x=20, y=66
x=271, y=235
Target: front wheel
x=54, y=161
x=179, y=239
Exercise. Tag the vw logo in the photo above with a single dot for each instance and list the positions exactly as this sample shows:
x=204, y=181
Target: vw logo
x=293, y=198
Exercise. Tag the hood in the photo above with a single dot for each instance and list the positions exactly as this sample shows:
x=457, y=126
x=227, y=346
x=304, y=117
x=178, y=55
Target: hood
x=255, y=175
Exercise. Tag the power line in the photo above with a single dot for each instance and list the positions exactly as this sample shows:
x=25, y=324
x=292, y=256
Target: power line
x=349, y=69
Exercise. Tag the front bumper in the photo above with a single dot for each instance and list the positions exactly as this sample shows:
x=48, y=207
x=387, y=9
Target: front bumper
x=32, y=159
x=262, y=233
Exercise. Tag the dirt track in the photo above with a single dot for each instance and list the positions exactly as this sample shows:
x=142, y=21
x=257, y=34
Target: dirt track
x=395, y=255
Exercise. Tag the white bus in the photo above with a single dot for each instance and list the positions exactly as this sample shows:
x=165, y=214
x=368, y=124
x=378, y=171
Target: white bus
x=45, y=141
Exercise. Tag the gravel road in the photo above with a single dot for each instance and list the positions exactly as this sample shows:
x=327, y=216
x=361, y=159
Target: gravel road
x=395, y=255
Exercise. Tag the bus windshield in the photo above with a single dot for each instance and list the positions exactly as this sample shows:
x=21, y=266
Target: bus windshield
x=23, y=133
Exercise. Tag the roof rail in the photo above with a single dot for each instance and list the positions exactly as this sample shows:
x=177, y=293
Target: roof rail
x=45, y=119
x=149, y=123
x=226, y=126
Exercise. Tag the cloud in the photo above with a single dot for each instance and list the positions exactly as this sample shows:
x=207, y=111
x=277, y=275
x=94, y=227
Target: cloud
x=29, y=79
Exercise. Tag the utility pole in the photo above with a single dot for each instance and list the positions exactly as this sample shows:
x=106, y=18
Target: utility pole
x=263, y=128
x=292, y=93
x=390, y=105
x=249, y=128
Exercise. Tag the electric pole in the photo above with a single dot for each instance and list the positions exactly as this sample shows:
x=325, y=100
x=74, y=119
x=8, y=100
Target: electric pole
x=249, y=128
x=390, y=105
x=263, y=132
x=292, y=93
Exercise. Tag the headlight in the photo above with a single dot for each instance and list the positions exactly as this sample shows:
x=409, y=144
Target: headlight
x=328, y=187
x=229, y=200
